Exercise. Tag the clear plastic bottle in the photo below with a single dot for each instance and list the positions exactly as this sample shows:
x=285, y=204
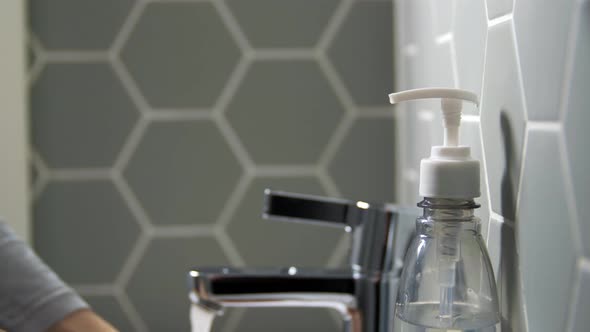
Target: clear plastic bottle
x=448, y=281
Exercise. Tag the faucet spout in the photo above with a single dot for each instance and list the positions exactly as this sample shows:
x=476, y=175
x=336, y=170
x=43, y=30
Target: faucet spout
x=216, y=288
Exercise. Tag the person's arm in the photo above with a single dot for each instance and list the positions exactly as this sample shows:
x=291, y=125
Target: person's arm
x=34, y=298
x=82, y=320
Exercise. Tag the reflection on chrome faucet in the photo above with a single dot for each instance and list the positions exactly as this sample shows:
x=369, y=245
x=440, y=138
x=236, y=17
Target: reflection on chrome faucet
x=363, y=294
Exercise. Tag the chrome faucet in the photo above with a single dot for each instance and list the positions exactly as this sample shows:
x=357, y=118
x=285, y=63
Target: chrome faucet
x=364, y=293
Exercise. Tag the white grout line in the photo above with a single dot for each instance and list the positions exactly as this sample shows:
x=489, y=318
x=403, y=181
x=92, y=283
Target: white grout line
x=93, y=289
x=470, y=118
x=42, y=173
x=340, y=252
x=132, y=261
x=131, y=144
x=288, y=170
x=444, y=39
x=129, y=24
x=132, y=203
x=178, y=114
x=231, y=324
x=500, y=20
x=570, y=58
x=227, y=245
x=231, y=86
x=570, y=193
x=543, y=126
x=337, y=84
x=80, y=174
x=376, y=112
x=336, y=140
x=131, y=313
x=76, y=56
x=519, y=72
x=334, y=24
x=328, y=183
x=233, y=26
x=234, y=200
x=180, y=231
x=235, y=144
x=284, y=54
x=39, y=63
x=130, y=85
x=454, y=64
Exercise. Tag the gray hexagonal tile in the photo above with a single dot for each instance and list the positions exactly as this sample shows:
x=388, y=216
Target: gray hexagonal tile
x=470, y=136
x=272, y=243
x=545, y=236
x=180, y=54
x=355, y=169
x=576, y=132
x=538, y=25
x=502, y=120
x=469, y=33
x=284, y=23
x=288, y=320
x=284, y=112
x=581, y=319
x=182, y=172
x=362, y=52
x=73, y=222
x=497, y=8
x=81, y=25
x=158, y=288
x=109, y=308
x=80, y=115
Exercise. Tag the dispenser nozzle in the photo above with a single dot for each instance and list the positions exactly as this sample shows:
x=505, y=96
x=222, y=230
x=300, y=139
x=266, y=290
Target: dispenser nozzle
x=451, y=104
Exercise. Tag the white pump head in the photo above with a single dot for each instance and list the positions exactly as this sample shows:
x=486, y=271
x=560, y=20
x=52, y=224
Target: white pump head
x=450, y=172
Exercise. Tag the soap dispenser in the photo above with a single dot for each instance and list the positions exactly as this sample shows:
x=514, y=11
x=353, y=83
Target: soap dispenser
x=447, y=280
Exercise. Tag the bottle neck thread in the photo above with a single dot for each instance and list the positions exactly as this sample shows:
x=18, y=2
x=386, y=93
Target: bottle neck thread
x=448, y=209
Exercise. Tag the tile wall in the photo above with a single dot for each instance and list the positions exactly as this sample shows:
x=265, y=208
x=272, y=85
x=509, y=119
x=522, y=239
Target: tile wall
x=157, y=124
x=530, y=63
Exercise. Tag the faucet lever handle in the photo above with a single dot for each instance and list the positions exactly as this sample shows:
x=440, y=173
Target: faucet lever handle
x=285, y=206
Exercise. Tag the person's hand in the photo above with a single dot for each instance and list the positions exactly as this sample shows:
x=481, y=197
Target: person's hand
x=82, y=321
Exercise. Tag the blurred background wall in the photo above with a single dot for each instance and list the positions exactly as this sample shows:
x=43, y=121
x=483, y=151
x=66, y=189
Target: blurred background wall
x=530, y=63
x=156, y=125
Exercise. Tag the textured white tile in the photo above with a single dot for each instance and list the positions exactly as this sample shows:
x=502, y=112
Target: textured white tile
x=542, y=29
x=545, y=238
x=497, y=8
x=502, y=120
x=577, y=118
x=469, y=33
x=581, y=300
x=470, y=135
x=443, y=15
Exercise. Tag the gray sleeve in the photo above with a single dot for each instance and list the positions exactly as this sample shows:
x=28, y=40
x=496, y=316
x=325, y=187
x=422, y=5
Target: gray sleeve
x=32, y=296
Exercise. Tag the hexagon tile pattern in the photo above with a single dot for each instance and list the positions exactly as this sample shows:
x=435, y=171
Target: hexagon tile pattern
x=183, y=172
x=80, y=25
x=368, y=76
x=285, y=23
x=191, y=108
x=285, y=112
x=542, y=212
x=368, y=139
x=108, y=307
x=180, y=54
x=158, y=288
x=502, y=119
x=265, y=242
x=80, y=115
x=533, y=69
x=95, y=214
